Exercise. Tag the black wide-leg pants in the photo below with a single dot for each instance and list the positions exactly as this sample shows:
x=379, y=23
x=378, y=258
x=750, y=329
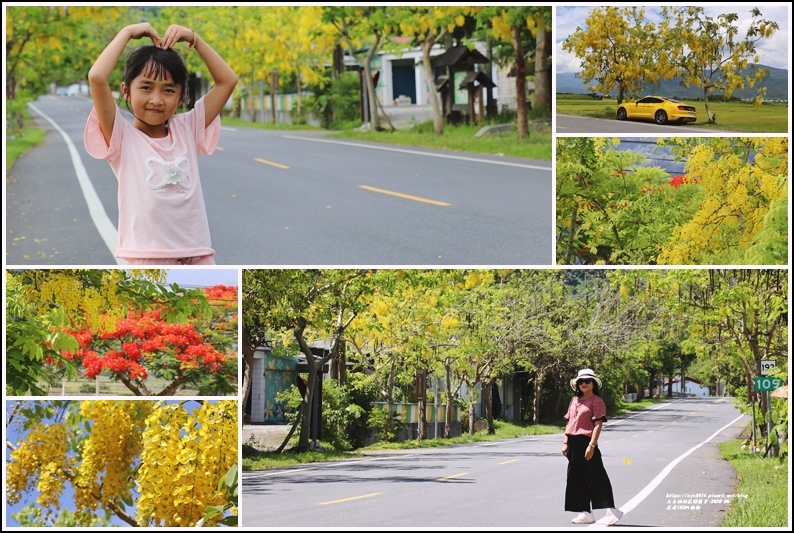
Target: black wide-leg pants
x=588, y=483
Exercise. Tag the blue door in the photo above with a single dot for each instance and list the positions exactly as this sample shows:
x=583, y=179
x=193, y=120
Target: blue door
x=404, y=79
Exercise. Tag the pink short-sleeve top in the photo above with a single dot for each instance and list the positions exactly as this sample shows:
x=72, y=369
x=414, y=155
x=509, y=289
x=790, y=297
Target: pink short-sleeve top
x=583, y=413
x=161, y=204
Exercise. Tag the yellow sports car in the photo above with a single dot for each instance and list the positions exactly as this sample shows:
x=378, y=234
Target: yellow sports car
x=657, y=108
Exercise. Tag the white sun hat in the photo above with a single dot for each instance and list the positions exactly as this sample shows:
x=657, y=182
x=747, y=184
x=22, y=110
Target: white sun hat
x=585, y=373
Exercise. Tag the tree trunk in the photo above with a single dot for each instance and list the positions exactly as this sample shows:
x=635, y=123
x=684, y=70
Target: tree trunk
x=303, y=441
x=438, y=119
x=536, y=399
x=521, y=85
x=372, y=97
x=489, y=406
x=448, y=410
x=542, y=74
x=248, y=373
x=471, y=418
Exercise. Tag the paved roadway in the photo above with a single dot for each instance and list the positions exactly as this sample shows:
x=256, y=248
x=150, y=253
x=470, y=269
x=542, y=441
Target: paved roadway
x=656, y=459
x=572, y=125
x=292, y=198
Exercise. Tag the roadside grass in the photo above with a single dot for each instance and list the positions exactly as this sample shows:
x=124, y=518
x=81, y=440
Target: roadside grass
x=254, y=459
x=240, y=123
x=761, y=497
x=771, y=117
x=461, y=138
x=19, y=142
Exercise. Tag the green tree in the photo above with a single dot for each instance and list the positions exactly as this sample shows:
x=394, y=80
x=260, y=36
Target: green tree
x=710, y=53
x=429, y=26
x=619, y=50
x=363, y=30
x=296, y=306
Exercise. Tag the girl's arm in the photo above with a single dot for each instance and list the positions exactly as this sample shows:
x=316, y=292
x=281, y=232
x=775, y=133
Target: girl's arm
x=99, y=75
x=588, y=454
x=222, y=74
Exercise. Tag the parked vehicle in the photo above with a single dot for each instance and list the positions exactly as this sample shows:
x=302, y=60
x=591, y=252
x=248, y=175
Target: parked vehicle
x=657, y=108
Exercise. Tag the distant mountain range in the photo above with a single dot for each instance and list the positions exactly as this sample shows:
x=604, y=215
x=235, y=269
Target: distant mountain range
x=776, y=83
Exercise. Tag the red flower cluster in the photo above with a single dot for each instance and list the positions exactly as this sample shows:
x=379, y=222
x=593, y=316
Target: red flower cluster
x=677, y=181
x=137, y=339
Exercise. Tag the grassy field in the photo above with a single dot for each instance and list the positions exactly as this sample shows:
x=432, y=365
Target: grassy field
x=762, y=495
x=731, y=116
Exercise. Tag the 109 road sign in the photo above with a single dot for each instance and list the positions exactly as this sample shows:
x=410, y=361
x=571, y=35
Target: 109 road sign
x=763, y=384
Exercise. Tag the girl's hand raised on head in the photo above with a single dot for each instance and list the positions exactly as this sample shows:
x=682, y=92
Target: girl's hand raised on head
x=144, y=29
x=175, y=34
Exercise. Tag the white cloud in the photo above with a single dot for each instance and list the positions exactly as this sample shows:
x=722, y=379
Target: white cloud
x=773, y=51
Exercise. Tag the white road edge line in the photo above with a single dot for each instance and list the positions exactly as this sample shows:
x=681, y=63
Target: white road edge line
x=402, y=150
x=644, y=493
x=106, y=228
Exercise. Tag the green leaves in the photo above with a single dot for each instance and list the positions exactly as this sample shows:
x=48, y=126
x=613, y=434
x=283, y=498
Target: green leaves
x=227, y=484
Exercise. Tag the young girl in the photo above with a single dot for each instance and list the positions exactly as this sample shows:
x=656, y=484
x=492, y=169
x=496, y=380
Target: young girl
x=588, y=483
x=162, y=218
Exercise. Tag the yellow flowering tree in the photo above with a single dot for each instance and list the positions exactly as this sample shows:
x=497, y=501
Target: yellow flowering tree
x=145, y=463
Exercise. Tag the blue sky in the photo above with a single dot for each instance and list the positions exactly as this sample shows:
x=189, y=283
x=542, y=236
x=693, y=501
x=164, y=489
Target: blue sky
x=205, y=277
x=773, y=52
x=13, y=435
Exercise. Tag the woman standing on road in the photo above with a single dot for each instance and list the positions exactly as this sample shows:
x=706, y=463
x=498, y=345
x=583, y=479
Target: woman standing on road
x=588, y=484
x=162, y=217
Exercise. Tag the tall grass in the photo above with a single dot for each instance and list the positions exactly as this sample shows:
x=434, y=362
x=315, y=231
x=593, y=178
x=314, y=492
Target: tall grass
x=761, y=498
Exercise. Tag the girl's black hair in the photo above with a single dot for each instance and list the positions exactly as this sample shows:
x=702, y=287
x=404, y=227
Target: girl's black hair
x=156, y=62
x=595, y=389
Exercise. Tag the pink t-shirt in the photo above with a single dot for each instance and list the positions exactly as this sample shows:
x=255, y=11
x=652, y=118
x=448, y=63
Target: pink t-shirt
x=161, y=205
x=583, y=413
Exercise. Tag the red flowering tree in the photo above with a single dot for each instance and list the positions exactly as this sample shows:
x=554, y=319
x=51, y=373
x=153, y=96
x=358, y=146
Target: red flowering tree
x=196, y=351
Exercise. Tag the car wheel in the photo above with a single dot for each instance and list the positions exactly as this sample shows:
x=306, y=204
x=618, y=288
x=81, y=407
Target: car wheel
x=621, y=113
x=660, y=117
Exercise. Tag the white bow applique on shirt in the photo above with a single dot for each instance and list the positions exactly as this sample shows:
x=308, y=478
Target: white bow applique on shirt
x=162, y=173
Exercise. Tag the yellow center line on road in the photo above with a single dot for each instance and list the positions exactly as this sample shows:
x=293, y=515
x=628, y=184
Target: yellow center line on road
x=450, y=477
x=508, y=462
x=408, y=196
x=265, y=161
x=351, y=499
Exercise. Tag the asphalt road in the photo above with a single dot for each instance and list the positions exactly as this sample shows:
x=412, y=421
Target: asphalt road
x=664, y=465
x=292, y=198
x=572, y=124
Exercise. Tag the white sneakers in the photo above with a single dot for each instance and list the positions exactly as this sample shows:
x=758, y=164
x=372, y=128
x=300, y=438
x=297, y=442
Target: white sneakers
x=612, y=517
x=584, y=518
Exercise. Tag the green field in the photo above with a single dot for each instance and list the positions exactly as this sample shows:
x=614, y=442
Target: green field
x=731, y=116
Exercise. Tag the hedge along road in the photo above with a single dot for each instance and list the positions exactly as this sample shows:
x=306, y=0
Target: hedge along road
x=661, y=462
x=277, y=198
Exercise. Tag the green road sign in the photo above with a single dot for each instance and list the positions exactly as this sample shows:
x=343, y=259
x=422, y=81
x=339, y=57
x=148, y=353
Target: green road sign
x=765, y=384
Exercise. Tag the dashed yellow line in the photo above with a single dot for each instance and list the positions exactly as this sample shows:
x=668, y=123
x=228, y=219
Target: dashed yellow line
x=508, y=462
x=271, y=163
x=453, y=476
x=407, y=196
x=351, y=499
